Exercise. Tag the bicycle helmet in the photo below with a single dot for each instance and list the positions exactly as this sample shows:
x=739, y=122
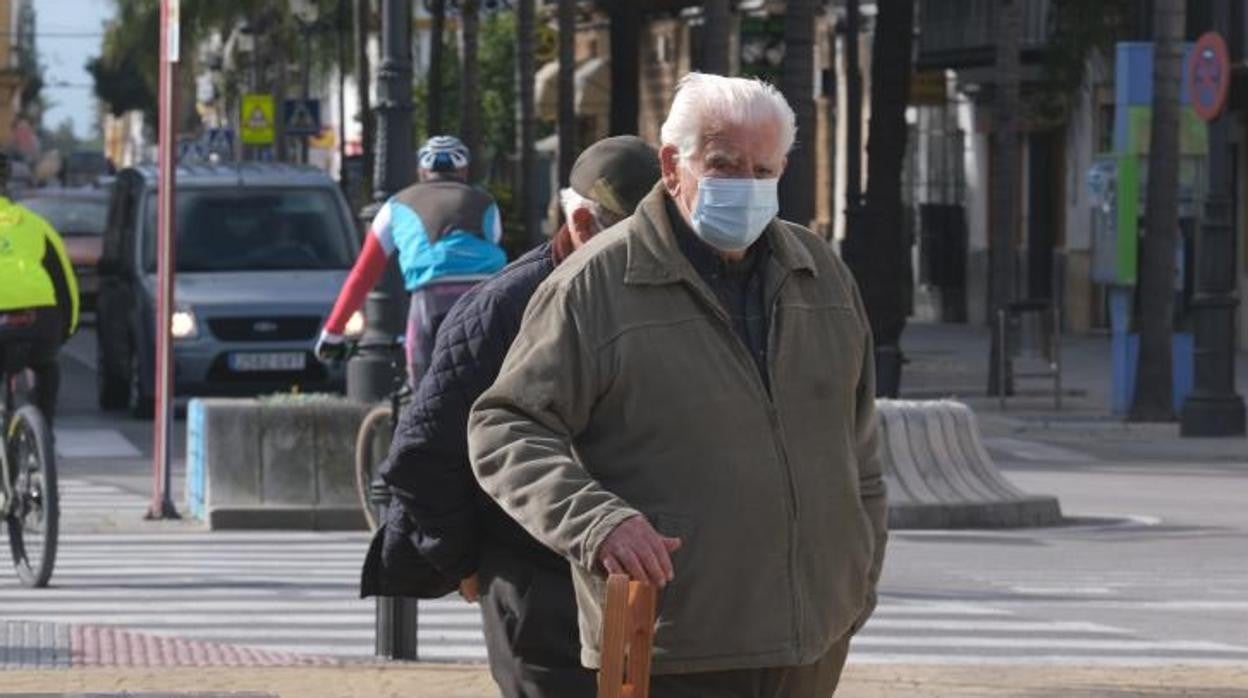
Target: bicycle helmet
x=443, y=154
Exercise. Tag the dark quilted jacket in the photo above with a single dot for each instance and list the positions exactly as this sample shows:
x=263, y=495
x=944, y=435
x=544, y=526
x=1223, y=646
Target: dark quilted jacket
x=444, y=514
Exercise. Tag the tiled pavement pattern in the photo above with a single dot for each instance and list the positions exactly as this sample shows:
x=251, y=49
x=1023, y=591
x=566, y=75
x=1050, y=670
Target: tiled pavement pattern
x=40, y=645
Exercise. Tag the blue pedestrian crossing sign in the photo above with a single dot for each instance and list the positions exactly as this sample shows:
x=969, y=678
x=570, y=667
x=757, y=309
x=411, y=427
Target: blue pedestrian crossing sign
x=302, y=117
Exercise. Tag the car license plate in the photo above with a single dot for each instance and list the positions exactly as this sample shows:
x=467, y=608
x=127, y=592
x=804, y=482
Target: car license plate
x=272, y=361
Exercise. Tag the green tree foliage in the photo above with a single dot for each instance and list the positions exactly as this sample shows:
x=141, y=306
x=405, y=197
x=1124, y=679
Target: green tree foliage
x=1081, y=28
x=498, y=90
x=121, y=86
x=125, y=72
x=498, y=112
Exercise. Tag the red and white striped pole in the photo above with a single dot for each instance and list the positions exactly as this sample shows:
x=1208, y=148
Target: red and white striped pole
x=170, y=44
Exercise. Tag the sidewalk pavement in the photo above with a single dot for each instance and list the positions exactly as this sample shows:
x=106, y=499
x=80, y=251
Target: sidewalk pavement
x=947, y=360
x=466, y=681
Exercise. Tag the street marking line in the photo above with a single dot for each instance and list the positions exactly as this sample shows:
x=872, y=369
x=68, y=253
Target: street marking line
x=1036, y=451
x=1076, y=590
x=1003, y=643
x=74, y=442
x=993, y=626
x=1063, y=660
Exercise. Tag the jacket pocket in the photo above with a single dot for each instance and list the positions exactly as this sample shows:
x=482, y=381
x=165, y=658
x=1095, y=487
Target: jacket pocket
x=670, y=597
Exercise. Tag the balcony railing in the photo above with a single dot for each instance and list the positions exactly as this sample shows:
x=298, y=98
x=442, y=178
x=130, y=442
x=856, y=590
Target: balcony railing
x=962, y=33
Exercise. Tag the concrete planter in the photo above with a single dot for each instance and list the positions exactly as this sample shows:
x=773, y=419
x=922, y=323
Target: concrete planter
x=282, y=462
x=939, y=474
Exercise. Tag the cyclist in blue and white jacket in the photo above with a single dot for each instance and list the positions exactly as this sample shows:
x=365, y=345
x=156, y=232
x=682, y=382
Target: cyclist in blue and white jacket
x=440, y=227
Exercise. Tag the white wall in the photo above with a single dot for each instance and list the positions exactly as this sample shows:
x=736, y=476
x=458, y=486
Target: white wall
x=976, y=169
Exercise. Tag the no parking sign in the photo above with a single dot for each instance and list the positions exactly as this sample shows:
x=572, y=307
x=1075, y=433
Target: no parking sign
x=1209, y=76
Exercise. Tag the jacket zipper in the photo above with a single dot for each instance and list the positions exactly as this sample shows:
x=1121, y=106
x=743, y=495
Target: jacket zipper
x=773, y=418
x=773, y=413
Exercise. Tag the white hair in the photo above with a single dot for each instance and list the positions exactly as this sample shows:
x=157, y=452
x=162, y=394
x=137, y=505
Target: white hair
x=706, y=101
x=571, y=201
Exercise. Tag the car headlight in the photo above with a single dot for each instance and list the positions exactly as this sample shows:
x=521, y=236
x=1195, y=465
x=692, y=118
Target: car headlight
x=182, y=325
x=355, y=325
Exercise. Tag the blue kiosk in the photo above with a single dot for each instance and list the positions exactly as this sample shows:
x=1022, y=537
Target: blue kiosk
x=1118, y=185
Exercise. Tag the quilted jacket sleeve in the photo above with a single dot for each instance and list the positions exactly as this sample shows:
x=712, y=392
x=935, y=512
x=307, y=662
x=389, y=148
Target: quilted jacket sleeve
x=428, y=469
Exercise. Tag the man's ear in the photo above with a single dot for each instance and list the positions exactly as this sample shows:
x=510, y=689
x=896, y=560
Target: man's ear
x=669, y=164
x=582, y=225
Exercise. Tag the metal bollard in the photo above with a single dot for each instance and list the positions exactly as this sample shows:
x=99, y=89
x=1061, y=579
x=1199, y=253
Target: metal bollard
x=396, y=619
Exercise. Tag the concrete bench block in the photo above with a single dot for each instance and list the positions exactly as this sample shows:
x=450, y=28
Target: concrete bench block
x=939, y=474
x=281, y=462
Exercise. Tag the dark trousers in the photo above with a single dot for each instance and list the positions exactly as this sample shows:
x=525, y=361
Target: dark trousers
x=529, y=610
x=35, y=346
x=816, y=680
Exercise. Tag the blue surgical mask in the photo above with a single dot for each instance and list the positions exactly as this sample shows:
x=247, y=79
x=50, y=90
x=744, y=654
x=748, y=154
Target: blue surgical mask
x=730, y=214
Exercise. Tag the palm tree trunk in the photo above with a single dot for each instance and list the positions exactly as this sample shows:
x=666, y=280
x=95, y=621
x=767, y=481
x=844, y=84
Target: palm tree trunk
x=716, y=30
x=886, y=285
x=1153, y=384
x=433, y=104
x=625, y=18
x=526, y=131
x=567, y=96
x=797, y=82
x=470, y=80
x=1003, y=187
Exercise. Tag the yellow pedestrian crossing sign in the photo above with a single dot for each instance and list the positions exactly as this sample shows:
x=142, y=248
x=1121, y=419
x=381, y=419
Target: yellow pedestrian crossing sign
x=257, y=119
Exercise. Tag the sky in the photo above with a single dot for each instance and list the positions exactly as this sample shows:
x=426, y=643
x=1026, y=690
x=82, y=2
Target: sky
x=67, y=34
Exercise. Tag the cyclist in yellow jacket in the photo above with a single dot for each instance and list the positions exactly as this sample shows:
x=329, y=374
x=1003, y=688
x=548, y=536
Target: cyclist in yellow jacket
x=38, y=296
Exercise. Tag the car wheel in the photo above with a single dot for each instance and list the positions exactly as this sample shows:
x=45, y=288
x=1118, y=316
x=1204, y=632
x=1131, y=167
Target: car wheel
x=112, y=387
x=142, y=405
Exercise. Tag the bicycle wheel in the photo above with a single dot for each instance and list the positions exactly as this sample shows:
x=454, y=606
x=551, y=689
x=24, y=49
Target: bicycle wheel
x=372, y=443
x=34, y=516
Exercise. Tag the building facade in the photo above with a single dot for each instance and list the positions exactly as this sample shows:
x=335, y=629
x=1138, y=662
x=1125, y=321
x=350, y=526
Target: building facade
x=17, y=17
x=1055, y=242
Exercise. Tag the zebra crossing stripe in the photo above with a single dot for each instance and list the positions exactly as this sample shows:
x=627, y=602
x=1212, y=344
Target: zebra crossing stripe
x=93, y=443
x=295, y=594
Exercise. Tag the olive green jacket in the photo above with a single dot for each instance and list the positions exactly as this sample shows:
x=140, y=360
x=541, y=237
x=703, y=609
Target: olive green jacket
x=627, y=391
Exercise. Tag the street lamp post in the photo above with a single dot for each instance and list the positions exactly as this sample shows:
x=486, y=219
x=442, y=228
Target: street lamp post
x=1214, y=408
x=371, y=373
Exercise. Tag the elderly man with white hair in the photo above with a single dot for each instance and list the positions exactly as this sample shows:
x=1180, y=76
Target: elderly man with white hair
x=690, y=401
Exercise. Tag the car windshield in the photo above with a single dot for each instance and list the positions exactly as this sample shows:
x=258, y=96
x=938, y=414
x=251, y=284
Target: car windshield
x=254, y=230
x=71, y=216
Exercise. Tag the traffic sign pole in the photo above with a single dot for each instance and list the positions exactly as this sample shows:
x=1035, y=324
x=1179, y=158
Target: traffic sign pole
x=1214, y=408
x=161, y=506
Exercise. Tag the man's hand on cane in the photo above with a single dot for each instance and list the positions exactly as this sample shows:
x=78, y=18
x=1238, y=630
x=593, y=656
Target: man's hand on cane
x=470, y=588
x=635, y=548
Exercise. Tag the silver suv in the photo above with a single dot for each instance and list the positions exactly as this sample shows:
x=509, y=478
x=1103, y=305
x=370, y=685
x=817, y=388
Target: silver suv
x=262, y=250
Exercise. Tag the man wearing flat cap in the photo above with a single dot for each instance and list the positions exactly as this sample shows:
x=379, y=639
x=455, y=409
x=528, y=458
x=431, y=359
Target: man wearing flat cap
x=525, y=589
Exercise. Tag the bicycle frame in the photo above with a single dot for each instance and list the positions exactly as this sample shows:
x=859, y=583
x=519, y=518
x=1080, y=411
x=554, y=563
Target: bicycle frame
x=8, y=407
x=6, y=478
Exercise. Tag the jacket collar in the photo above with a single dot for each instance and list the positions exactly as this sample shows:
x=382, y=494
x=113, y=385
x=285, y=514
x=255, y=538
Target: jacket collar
x=654, y=257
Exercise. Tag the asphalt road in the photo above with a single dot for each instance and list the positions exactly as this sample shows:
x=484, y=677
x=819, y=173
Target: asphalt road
x=1153, y=571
